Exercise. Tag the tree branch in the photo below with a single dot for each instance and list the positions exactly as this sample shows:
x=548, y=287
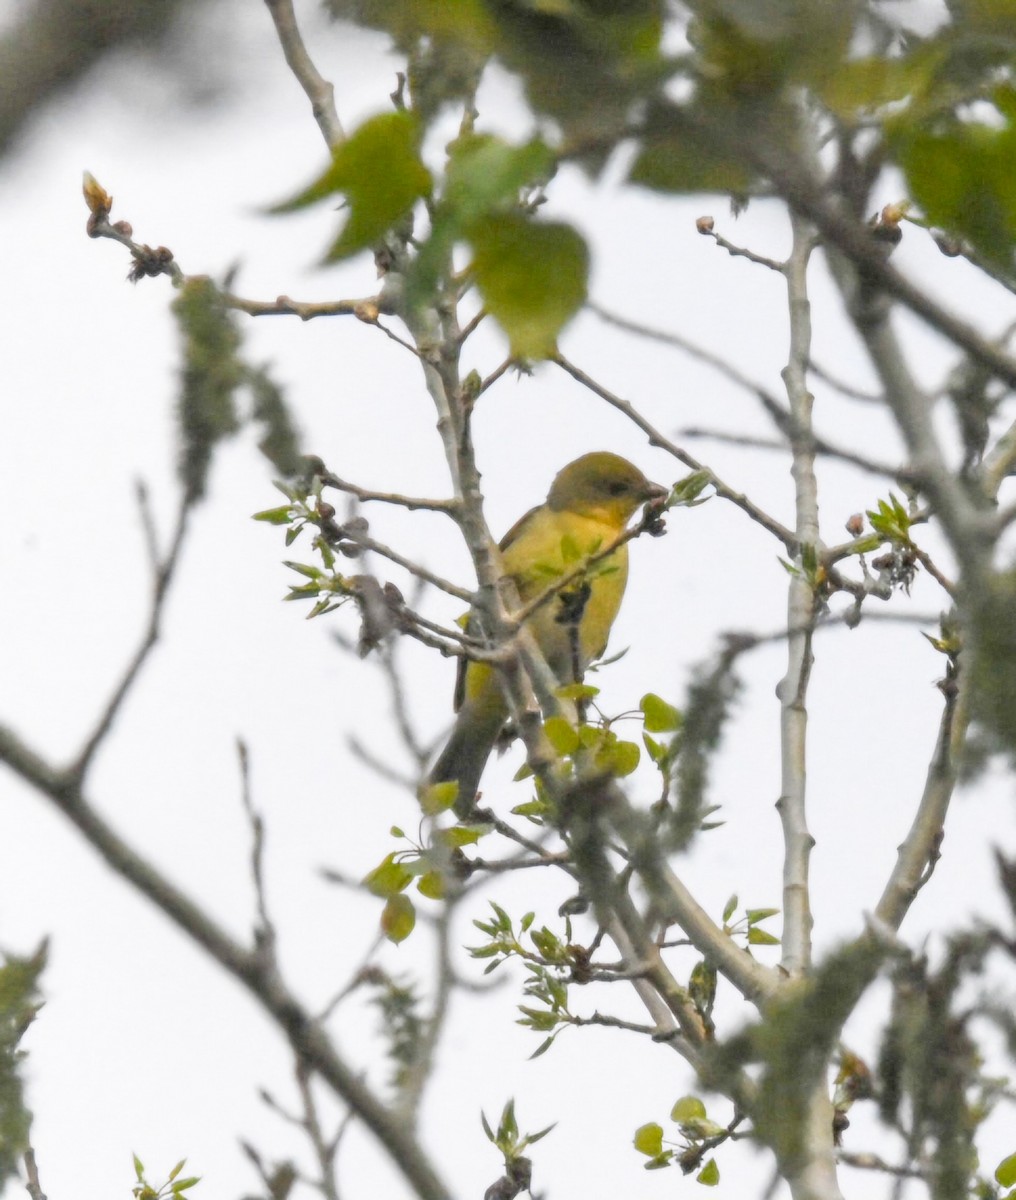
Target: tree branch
x=306, y=1037
x=801, y=613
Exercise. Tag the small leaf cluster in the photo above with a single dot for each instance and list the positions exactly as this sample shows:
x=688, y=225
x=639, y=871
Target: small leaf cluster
x=892, y=523
x=594, y=748
x=518, y=1169
x=326, y=586
x=552, y=963
x=427, y=861
x=172, y=1188
x=747, y=926
x=697, y=1136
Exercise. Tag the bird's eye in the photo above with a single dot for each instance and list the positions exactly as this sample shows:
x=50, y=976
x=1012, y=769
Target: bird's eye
x=618, y=487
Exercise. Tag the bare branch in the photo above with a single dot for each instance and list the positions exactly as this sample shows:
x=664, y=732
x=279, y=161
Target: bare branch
x=919, y=850
x=317, y=89
x=304, y=1034
x=32, y=1184
x=664, y=443
x=413, y=503
x=801, y=613
x=162, y=578
x=705, y=226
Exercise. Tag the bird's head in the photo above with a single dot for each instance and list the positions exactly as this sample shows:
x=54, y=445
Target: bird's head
x=602, y=485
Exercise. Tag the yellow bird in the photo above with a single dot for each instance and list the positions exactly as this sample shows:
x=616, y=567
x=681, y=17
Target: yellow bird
x=590, y=502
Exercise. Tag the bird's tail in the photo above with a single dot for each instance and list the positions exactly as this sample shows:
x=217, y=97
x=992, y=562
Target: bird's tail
x=466, y=752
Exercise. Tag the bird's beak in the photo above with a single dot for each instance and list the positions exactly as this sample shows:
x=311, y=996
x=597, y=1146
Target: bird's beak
x=655, y=493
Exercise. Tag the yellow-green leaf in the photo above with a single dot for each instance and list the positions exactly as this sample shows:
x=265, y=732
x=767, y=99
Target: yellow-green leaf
x=709, y=1176
x=379, y=171
x=432, y=885
x=648, y=1139
x=660, y=716
x=398, y=918
x=439, y=797
x=1005, y=1172
x=619, y=758
x=562, y=735
x=688, y=1108
x=532, y=276
x=388, y=878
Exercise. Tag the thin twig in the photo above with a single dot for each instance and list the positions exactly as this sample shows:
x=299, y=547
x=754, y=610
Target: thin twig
x=307, y=310
x=494, y=376
x=841, y=386
x=318, y=90
x=324, y=1149
x=413, y=503
x=801, y=614
x=656, y=438
x=820, y=446
x=608, y=1022
x=739, y=251
x=32, y=1184
x=264, y=930
x=161, y=581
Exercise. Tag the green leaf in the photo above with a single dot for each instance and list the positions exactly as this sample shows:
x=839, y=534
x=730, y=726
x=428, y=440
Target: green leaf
x=688, y=1108
x=139, y=1168
x=755, y=915
x=432, y=885
x=686, y=491
x=960, y=172
x=562, y=735
x=533, y=809
x=660, y=716
x=398, y=918
x=577, y=691
x=388, y=878
x=275, y=516
x=508, y=1129
x=655, y=751
x=709, y=1176
x=461, y=835
x=439, y=797
x=675, y=157
x=309, y=572
x=648, y=1139
x=182, y=1185
x=759, y=937
x=543, y=1047
x=486, y=1127
x=176, y=1170
x=532, y=276
x=660, y=1161
x=729, y=908
x=485, y=173
x=1005, y=1172
x=619, y=758
x=859, y=85
x=868, y=544
x=379, y=171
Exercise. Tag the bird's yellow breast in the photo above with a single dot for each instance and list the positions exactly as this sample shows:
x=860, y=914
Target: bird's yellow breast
x=549, y=545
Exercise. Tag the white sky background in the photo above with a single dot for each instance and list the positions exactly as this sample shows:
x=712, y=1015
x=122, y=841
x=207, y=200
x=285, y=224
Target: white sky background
x=145, y=1047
